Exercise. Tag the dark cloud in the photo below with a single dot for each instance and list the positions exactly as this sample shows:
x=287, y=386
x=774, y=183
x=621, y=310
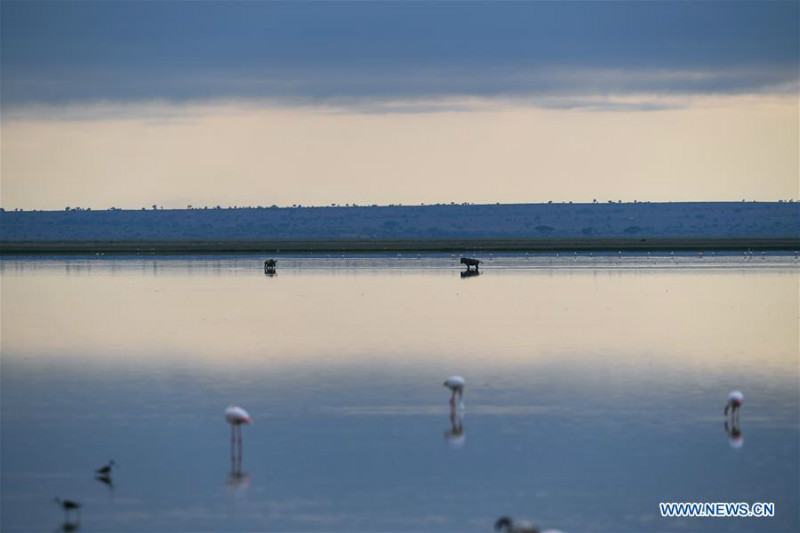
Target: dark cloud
x=309, y=52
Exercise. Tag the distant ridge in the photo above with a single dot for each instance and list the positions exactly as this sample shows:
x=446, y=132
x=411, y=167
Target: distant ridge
x=739, y=224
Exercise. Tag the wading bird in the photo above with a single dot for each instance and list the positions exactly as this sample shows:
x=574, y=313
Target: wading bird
x=106, y=470
x=69, y=505
x=236, y=416
x=735, y=401
x=456, y=385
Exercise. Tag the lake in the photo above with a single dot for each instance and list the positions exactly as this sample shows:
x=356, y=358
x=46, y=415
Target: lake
x=595, y=387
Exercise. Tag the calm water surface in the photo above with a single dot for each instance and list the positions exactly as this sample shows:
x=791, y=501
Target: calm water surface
x=595, y=388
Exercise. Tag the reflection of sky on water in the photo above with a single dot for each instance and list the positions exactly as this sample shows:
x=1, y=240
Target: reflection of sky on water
x=592, y=393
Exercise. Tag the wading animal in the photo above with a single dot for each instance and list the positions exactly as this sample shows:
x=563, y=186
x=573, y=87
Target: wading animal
x=106, y=470
x=236, y=416
x=269, y=265
x=69, y=505
x=735, y=401
x=456, y=385
x=470, y=262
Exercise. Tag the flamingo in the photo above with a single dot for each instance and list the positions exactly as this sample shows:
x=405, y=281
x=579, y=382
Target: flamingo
x=456, y=385
x=68, y=505
x=236, y=416
x=735, y=401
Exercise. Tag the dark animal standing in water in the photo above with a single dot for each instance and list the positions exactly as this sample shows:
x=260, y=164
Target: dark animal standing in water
x=470, y=262
x=69, y=505
x=269, y=265
x=106, y=470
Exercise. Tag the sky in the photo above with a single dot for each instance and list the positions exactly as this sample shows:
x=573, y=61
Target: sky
x=130, y=104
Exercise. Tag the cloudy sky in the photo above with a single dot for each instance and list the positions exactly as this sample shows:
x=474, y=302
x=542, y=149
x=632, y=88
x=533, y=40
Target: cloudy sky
x=129, y=104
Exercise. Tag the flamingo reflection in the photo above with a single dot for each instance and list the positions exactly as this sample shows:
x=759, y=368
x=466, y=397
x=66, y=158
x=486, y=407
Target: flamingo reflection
x=455, y=437
x=735, y=438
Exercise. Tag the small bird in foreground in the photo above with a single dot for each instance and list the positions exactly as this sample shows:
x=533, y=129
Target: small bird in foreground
x=68, y=505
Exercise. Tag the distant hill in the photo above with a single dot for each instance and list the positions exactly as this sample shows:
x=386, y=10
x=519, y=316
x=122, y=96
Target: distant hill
x=739, y=220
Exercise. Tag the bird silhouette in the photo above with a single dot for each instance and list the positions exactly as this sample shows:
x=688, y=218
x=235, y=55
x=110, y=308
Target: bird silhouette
x=106, y=470
x=68, y=506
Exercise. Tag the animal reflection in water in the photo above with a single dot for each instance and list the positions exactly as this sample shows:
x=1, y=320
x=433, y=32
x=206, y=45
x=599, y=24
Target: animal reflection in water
x=455, y=437
x=236, y=479
x=105, y=480
x=103, y=475
x=269, y=267
x=470, y=273
x=735, y=438
x=470, y=262
x=236, y=416
x=69, y=527
x=506, y=525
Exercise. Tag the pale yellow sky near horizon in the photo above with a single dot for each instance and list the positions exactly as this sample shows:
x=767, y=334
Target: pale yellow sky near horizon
x=247, y=153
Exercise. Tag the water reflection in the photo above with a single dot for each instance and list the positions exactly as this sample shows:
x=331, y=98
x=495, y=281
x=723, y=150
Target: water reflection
x=106, y=480
x=349, y=341
x=237, y=480
x=734, y=432
x=69, y=527
x=455, y=436
x=470, y=273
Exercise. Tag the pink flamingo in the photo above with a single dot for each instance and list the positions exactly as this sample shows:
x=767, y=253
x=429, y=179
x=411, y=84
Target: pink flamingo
x=236, y=416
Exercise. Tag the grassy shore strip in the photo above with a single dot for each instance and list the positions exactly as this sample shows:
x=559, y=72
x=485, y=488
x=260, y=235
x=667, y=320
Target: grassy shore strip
x=450, y=245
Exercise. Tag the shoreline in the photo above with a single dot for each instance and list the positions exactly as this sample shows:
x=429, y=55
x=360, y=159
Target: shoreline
x=433, y=245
